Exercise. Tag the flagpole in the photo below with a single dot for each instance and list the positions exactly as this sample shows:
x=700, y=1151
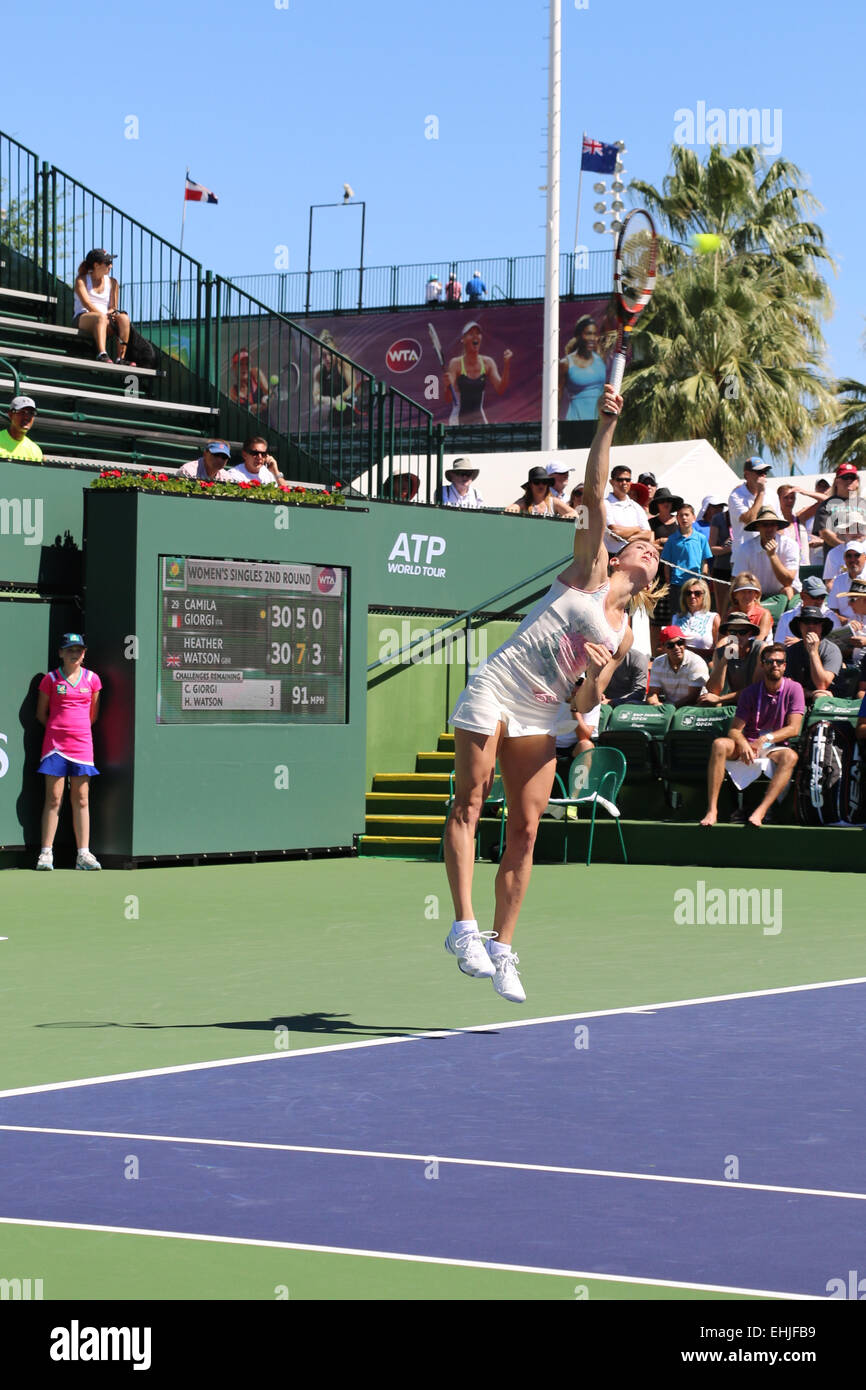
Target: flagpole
x=182, y=227
x=579, y=190
x=550, y=404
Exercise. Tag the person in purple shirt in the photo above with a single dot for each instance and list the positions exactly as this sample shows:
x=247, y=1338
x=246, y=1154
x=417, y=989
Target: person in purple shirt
x=768, y=714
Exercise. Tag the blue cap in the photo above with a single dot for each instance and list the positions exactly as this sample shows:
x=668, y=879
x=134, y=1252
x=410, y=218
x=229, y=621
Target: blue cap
x=72, y=639
x=757, y=464
x=218, y=446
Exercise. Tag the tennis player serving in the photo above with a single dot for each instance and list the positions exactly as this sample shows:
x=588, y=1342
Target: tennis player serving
x=510, y=708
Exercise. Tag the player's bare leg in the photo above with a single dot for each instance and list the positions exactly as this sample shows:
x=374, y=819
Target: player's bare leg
x=528, y=766
x=474, y=770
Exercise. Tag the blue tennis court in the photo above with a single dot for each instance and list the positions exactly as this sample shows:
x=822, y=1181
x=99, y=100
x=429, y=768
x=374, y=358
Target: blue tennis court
x=710, y=1143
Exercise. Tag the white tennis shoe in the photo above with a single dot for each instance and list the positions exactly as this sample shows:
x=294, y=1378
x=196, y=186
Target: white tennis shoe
x=472, y=958
x=86, y=860
x=506, y=979
x=46, y=859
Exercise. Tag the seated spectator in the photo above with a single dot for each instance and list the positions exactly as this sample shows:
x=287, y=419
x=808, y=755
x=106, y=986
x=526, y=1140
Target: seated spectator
x=855, y=568
x=649, y=482
x=662, y=508
x=94, y=309
x=626, y=520
x=628, y=684
x=768, y=714
x=851, y=636
x=697, y=621
x=537, y=499
x=401, y=487
x=685, y=549
x=475, y=288
x=434, y=290
x=735, y=660
x=14, y=442
x=212, y=467
x=746, y=598
x=677, y=676
x=814, y=596
x=813, y=661
x=575, y=499
x=258, y=464
x=574, y=734
x=453, y=292
x=459, y=491
x=558, y=479
x=771, y=555
x=249, y=385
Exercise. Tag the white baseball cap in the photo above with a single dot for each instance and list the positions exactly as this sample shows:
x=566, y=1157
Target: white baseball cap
x=555, y=468
x=23, y=403
x=857, y=546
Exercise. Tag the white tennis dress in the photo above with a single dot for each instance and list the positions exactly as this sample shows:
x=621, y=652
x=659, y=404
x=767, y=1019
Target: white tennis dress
x=527, y=679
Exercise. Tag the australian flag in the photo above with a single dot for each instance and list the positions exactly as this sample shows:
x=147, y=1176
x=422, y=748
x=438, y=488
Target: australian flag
x=598, y=157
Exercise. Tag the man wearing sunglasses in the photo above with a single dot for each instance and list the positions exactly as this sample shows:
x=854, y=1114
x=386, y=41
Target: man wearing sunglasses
x=258, y=466
x=15, y=442
x=678, y=677
x=768, y=714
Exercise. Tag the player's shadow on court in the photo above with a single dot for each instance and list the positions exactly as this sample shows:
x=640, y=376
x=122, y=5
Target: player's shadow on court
x=339, y=1025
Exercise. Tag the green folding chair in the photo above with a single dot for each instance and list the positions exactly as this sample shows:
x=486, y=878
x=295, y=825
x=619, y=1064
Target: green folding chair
x=595, y=779
x=496, y=797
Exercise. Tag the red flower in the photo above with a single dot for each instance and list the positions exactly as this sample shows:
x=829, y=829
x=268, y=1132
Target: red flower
x=202, y=483
x=338, y=484
x=148, y=477
x=243, y=483
x=103, y=475
x=163, y=477
x=298, y=488
x=255, y=482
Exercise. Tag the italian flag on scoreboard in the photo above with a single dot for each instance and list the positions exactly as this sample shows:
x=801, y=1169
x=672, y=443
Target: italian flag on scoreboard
x=176, y=620
x=197, y=193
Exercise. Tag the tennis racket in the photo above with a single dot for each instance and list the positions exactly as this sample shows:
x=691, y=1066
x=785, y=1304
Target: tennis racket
x=437, y=346
x=634, y=278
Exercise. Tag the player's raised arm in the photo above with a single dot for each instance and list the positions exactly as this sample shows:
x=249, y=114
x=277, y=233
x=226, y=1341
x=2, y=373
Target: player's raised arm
x=588, y=569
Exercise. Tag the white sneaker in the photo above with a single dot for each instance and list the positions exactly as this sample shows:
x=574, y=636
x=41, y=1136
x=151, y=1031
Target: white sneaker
x=472, y=958
x=86, y=860
x=46, y=859
x=506, y=980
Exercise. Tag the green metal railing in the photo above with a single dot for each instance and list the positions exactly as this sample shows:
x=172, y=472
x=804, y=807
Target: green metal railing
x=508, y=279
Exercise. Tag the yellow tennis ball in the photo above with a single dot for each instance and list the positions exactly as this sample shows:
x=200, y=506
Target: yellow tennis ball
x=706, y=242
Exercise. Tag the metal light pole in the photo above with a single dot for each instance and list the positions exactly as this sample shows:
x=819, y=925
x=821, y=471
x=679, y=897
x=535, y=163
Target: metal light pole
x=549, y=402
x=346, y=202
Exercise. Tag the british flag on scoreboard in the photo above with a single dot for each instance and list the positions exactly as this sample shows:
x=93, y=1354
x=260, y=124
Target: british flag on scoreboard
x=197, y=193
x=173, y=659
x=598, y=157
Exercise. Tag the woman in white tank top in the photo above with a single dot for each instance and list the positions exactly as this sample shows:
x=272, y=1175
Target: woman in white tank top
x=510, y=709
x=95, y=308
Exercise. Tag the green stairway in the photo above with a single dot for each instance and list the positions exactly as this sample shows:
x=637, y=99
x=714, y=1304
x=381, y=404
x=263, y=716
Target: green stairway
x=406, y=810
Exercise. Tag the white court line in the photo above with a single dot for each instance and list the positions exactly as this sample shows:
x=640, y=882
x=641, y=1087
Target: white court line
x=412, y=1259
x=431, y=1158
x=436, y=1033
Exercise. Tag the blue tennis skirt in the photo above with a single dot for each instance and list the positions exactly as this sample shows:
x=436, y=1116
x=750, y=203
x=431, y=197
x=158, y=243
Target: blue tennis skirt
x=55, y=765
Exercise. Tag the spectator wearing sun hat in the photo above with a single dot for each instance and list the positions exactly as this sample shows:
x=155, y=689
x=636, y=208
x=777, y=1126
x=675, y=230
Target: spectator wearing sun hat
x=212, y=466
x=851, y=636
x=854, y=568
x=663, y=507
x=475, y=288
x=14, y=441
x=734, y=661
x=434, y=290
x=537, y=499
x=459, y=489
x=770, y=551
x=812, y=660
x=677, y=676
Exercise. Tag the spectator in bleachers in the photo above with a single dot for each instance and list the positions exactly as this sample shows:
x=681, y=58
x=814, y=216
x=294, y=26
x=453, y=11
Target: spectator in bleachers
x=698, y=621
x=628, y=684
x=814, y=595
x=721, y=544
x=14, y=441
x=95, y=301
x=574, y=735
x=746, y=598
x=850, y=637
x=710, y=506
x=649, y=482
x=401, y=487
x=677, y=676
x=475, y=288
x=685, y=549
x=626, y=521
x=460, y=490
x=813, y=661
x=537, y=499
x=258, y=464
x=771, y=555
x=434, y=290
x=735, y=660
x=558, y=480
x=798, y=521
x=745, y=502
x=855, y=562
x=212, y=466
x=663, y=507
x=453, y=292
x=249, y=385
x=840, y=517
x=575, y=499
x=768, y=714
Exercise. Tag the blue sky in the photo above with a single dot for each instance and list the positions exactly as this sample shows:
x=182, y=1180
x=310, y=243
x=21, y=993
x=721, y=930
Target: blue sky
x=274, y=108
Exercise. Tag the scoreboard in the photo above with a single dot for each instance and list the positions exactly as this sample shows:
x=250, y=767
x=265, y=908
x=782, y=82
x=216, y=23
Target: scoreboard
x=251, y=642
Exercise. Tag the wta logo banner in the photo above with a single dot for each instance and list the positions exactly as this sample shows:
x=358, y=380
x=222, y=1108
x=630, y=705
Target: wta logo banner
x=403, y=355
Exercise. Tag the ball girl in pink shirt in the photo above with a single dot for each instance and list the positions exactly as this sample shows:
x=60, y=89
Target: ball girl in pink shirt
x=67, y=706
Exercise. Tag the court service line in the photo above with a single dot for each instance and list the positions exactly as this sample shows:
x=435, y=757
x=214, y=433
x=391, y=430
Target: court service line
x=435, y=1033
x=411, y=1259
x=433, y=1158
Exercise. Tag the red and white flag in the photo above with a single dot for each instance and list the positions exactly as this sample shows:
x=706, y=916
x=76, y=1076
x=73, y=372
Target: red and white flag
x=197, y=193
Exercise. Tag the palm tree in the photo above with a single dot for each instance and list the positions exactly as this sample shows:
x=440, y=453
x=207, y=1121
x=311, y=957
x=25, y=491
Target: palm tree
x=732, y=348
x=848, y=440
